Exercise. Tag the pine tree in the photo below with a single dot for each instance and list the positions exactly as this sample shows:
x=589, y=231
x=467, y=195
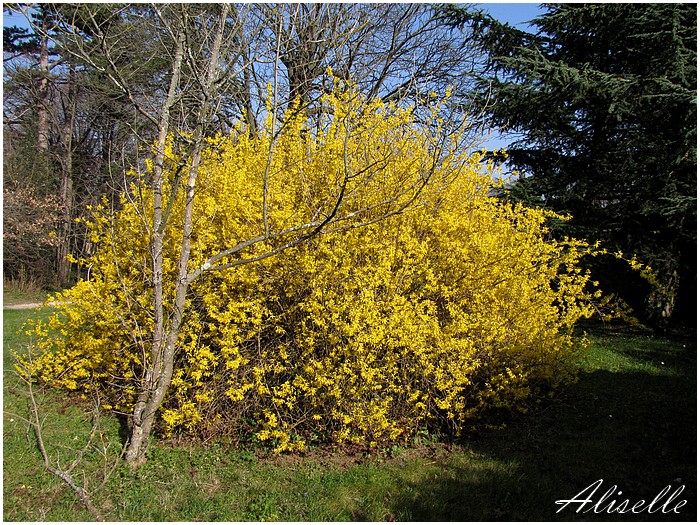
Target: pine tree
x=605, y=98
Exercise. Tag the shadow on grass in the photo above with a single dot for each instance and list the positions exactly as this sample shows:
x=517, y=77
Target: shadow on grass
x=634, y=430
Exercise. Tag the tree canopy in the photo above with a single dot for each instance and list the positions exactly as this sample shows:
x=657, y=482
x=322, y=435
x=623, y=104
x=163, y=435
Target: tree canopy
x=604, y=96
x=84, y=84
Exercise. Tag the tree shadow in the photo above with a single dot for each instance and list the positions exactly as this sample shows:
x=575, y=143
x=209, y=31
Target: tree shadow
x=634, y=430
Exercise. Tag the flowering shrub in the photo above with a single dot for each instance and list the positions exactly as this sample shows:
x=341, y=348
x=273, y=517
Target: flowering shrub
x=369, y=334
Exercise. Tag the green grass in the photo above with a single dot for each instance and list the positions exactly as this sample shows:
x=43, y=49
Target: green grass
x=630, y=420
x=16, y=292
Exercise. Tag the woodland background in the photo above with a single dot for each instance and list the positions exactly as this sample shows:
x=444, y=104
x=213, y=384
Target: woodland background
x=603, y=98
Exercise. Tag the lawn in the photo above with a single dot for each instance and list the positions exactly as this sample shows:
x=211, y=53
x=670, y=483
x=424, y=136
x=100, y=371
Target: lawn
x=22, y=292
x=630, y=421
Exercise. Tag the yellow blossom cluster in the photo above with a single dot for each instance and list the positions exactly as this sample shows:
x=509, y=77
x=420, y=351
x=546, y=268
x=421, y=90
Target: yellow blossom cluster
x=366, y=332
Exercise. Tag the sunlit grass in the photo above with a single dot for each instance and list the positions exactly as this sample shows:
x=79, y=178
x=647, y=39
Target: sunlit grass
x=630, y=420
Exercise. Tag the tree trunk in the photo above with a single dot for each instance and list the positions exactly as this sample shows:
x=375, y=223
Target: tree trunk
x=42, y=139
x=144, y=417
x=63, y=248
x=661, y=301
x=159, y=374
x=147, y=402
x=66, y=185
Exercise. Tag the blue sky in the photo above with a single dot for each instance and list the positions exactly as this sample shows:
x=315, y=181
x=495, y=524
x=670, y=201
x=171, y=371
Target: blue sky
x=516, y=14
x=14, y=19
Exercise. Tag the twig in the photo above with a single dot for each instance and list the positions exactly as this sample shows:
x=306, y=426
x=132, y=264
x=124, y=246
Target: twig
x=35, y=422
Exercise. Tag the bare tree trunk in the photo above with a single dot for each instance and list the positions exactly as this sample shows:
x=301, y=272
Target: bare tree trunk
x=63, y=249
x=42, y=140
x=661, y=302
x=66, y=185
x=160, y=374
x=143, y=410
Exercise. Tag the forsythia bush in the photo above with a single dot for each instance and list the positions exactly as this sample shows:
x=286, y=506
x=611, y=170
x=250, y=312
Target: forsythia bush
x=425, y=319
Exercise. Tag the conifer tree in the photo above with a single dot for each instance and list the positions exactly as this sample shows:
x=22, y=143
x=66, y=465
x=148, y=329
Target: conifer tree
x=604, y=96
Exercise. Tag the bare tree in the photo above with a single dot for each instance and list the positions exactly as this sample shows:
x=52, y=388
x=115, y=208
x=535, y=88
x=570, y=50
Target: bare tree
x=391, y=51
x=209, y=49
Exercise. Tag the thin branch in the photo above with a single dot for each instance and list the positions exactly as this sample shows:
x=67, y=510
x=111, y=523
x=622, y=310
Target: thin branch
x=273, y=137
x=35, y=422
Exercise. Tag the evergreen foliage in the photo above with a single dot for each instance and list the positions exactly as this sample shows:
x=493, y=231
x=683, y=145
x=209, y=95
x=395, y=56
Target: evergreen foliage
x=605, y=97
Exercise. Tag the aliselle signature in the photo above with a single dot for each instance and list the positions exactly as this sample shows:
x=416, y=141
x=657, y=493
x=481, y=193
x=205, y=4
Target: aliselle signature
x=665, y=501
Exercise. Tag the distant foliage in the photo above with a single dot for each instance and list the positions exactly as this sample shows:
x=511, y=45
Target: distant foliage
x=30, y=221
x=426, y=319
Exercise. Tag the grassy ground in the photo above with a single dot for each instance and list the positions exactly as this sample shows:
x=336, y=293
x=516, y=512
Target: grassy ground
x=15, y=292
x=630, y=420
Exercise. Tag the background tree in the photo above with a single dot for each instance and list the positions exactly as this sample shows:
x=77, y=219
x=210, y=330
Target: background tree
x=604, y=96
x=88, y=130
x=30, y=190
x=66, y=135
